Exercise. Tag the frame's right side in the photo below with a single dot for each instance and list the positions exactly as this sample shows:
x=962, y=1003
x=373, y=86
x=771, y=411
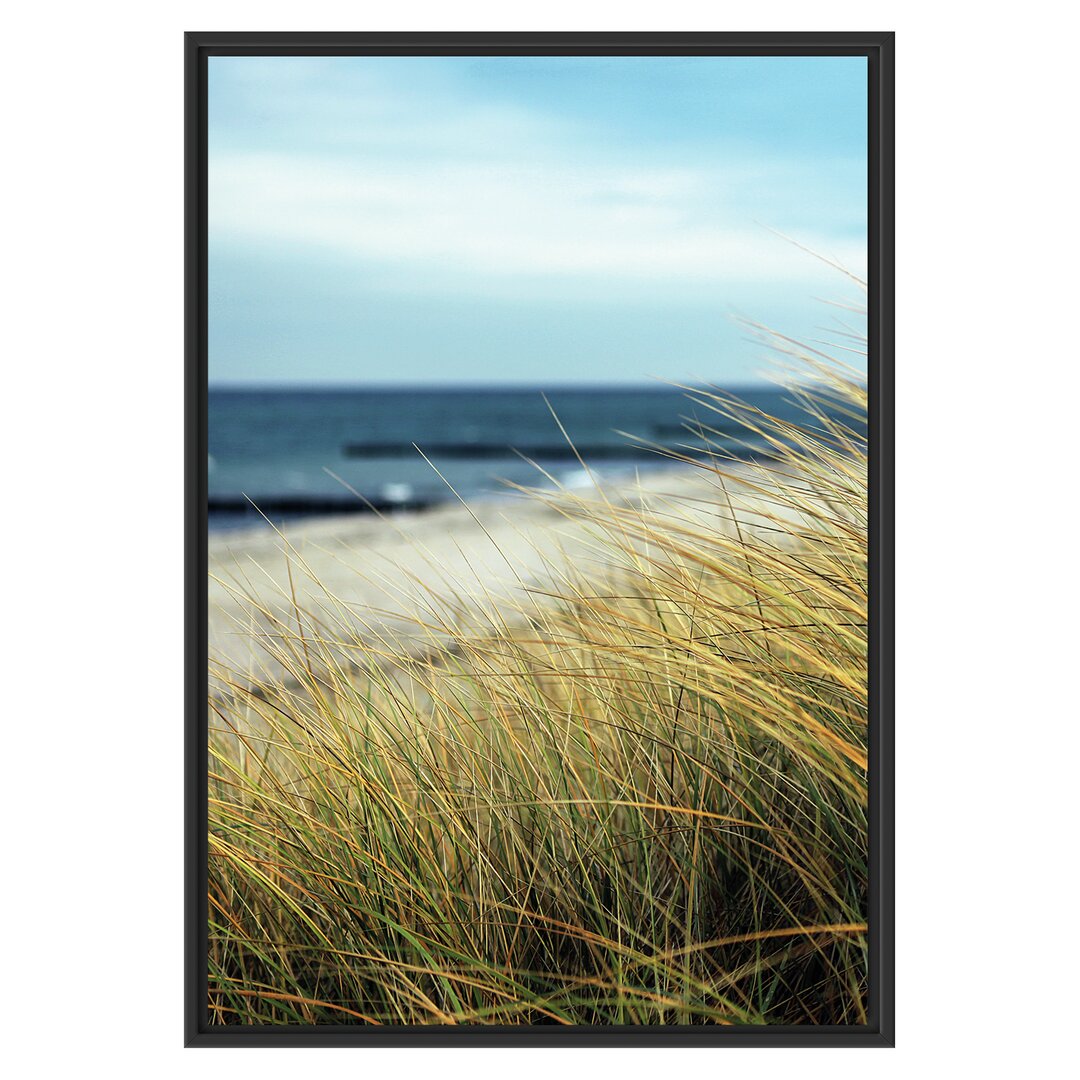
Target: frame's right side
x=881, y=413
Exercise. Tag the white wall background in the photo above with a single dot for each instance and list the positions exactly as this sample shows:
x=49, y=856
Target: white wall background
x=987, y=354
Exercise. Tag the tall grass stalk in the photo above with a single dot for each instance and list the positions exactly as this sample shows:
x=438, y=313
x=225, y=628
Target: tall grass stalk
x=636, y=794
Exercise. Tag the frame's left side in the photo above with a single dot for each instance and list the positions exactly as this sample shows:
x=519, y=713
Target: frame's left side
x=195, y=567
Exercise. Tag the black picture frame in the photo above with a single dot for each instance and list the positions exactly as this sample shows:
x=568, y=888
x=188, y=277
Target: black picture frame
x=878, y=48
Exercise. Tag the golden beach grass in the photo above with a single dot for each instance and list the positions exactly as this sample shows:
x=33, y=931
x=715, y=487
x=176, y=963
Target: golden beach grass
x=635, y=795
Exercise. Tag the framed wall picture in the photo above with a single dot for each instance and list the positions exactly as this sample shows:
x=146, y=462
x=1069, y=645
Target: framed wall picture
x=539, y=511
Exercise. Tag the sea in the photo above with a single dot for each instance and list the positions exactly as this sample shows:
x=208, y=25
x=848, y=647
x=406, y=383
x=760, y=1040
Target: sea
x=285, y=454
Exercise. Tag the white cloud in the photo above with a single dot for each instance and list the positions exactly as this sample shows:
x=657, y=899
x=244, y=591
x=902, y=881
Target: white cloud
x=513, y=218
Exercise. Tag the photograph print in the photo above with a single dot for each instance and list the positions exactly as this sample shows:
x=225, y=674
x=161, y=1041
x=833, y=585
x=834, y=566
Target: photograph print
x=539, y=646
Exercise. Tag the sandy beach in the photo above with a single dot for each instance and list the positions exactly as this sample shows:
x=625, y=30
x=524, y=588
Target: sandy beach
x=416, y=575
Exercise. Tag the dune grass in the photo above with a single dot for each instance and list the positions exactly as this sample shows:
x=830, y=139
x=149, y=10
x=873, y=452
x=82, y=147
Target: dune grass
x=636, y=794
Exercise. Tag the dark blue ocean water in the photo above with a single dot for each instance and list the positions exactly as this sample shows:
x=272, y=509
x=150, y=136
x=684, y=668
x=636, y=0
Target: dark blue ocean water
x=279, y=447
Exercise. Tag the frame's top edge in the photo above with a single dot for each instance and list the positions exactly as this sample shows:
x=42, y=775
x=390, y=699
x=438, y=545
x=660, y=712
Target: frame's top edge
x=489, y=39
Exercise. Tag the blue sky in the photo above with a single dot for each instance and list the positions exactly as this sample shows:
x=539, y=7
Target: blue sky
x=526, y=220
